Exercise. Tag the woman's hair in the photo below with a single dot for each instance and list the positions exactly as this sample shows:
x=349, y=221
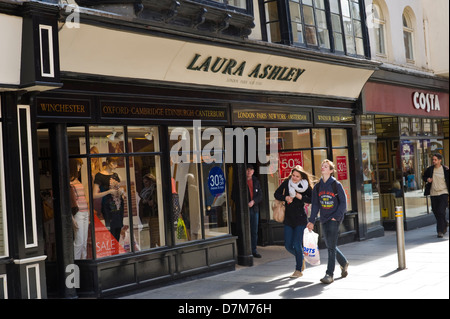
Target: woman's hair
x=73, y=167
x=111, y=159
x=304, y=174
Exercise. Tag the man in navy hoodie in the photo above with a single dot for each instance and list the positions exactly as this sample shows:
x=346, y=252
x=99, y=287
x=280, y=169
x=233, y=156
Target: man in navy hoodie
x=329, y=198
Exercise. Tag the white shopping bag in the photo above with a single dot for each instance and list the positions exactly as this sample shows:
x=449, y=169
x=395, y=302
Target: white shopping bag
x=310, y=247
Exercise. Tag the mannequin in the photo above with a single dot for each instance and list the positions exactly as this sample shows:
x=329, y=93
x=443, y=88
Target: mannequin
x=81, y=217
x=106, y=187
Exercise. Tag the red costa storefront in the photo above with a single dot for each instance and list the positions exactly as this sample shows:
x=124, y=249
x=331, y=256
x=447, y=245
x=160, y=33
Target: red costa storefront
x=401, y=127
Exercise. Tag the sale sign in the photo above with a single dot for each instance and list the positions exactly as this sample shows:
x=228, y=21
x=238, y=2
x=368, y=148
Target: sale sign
x=106, y=244
x=287, y=161
x=341, y=167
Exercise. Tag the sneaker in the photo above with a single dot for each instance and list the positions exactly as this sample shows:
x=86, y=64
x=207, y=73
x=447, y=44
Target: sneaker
x=344, y=271
x=440, y=235
x=327, y=279
x=256, y=255
x=297, y=274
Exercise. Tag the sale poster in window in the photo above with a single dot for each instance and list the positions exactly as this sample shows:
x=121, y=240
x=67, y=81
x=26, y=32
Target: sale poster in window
x=287, y=161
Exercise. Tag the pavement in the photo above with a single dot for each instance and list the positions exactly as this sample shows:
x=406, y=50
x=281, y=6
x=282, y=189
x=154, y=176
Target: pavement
x=373, y=274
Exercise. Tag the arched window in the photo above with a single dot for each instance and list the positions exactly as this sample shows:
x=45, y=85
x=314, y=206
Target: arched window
x=408, y=36
x=379, y=24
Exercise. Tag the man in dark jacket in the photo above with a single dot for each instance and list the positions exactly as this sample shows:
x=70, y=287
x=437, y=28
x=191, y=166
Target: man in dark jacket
x=437, y=178
x=255, y=196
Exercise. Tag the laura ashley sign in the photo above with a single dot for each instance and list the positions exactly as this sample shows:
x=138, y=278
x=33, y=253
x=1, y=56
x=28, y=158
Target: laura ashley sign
x=230, y=66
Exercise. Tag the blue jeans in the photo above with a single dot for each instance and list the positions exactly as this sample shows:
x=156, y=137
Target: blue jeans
x=331, y=234
x=254, y=217
x=293, y=242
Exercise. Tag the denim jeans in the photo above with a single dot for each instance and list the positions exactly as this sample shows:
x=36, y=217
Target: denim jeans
x=81, y=235
x=331, y=234
x=293, y=242
x=254, y=217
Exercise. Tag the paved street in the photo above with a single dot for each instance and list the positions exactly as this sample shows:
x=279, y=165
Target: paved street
x=372, y=274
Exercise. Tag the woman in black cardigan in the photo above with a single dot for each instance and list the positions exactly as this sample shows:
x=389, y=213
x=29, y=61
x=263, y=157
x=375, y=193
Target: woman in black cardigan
x=295, y=191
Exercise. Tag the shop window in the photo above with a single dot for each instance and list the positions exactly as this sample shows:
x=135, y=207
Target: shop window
x=312, y=23
x=196, y=174
x=233, y=3
x=367, y=125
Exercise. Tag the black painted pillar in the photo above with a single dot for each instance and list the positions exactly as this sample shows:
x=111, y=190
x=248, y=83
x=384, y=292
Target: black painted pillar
x=244, y=246
x=62, y=209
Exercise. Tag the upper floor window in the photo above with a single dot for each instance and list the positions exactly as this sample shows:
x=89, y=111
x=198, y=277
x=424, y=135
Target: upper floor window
x=327, y=25
x=379, y=24
x=234, y=3
x=408, y=36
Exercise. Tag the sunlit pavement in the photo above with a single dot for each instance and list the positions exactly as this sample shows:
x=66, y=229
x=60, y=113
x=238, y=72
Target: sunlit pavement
x=373, y=274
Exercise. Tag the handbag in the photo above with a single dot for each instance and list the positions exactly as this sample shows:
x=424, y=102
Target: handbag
x=278, y=208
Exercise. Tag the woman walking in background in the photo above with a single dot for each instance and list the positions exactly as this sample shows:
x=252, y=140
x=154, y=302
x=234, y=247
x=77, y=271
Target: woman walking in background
x=295, y=191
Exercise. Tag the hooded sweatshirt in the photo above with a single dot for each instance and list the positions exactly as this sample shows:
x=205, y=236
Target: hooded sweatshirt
x=324, y=200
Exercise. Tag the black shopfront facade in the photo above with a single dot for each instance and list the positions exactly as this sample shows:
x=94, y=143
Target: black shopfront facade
x=163, y=117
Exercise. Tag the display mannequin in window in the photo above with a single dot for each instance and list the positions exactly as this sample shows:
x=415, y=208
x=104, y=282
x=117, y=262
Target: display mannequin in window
x=106, y=187
x=81, y=216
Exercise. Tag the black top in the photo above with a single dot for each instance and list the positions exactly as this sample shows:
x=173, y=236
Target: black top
x=295, y=212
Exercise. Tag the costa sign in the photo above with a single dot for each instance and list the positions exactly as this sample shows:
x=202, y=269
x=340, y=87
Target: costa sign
x=426, y=101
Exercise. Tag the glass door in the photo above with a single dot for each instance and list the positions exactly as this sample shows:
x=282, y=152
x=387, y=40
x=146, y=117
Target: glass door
x=371, y=195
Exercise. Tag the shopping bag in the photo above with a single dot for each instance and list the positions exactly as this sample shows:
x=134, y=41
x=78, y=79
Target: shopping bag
x=310, y=247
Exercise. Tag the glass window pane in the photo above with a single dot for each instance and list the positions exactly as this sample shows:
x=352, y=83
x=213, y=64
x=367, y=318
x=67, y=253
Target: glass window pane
x=294, y=9
x=308, y=14
x=238, y=3
x=320, y=4
x=274, y=34
x=271, y=9
x=106, y=139
x=408, y=45
x=334, y=6
x=76, y=137
x=321, y=19
x=79, y=191
x=319, y=137
x=336, y=23
x=310, y=35
x=297, y=33
x=339, y=137
x=215, y=200
x=148, y=221
x=319, y=157
x=143, y=139
x=338, y=42
x=324, y=38
x=348, y=27
x=358, y=29
x=371, y=197
x=342, y=172
x=112, y=232
x=379, y=29
x=350, y=44
x=345, y=8
x=355, y=10
x=308, y=2
x=359, y=46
